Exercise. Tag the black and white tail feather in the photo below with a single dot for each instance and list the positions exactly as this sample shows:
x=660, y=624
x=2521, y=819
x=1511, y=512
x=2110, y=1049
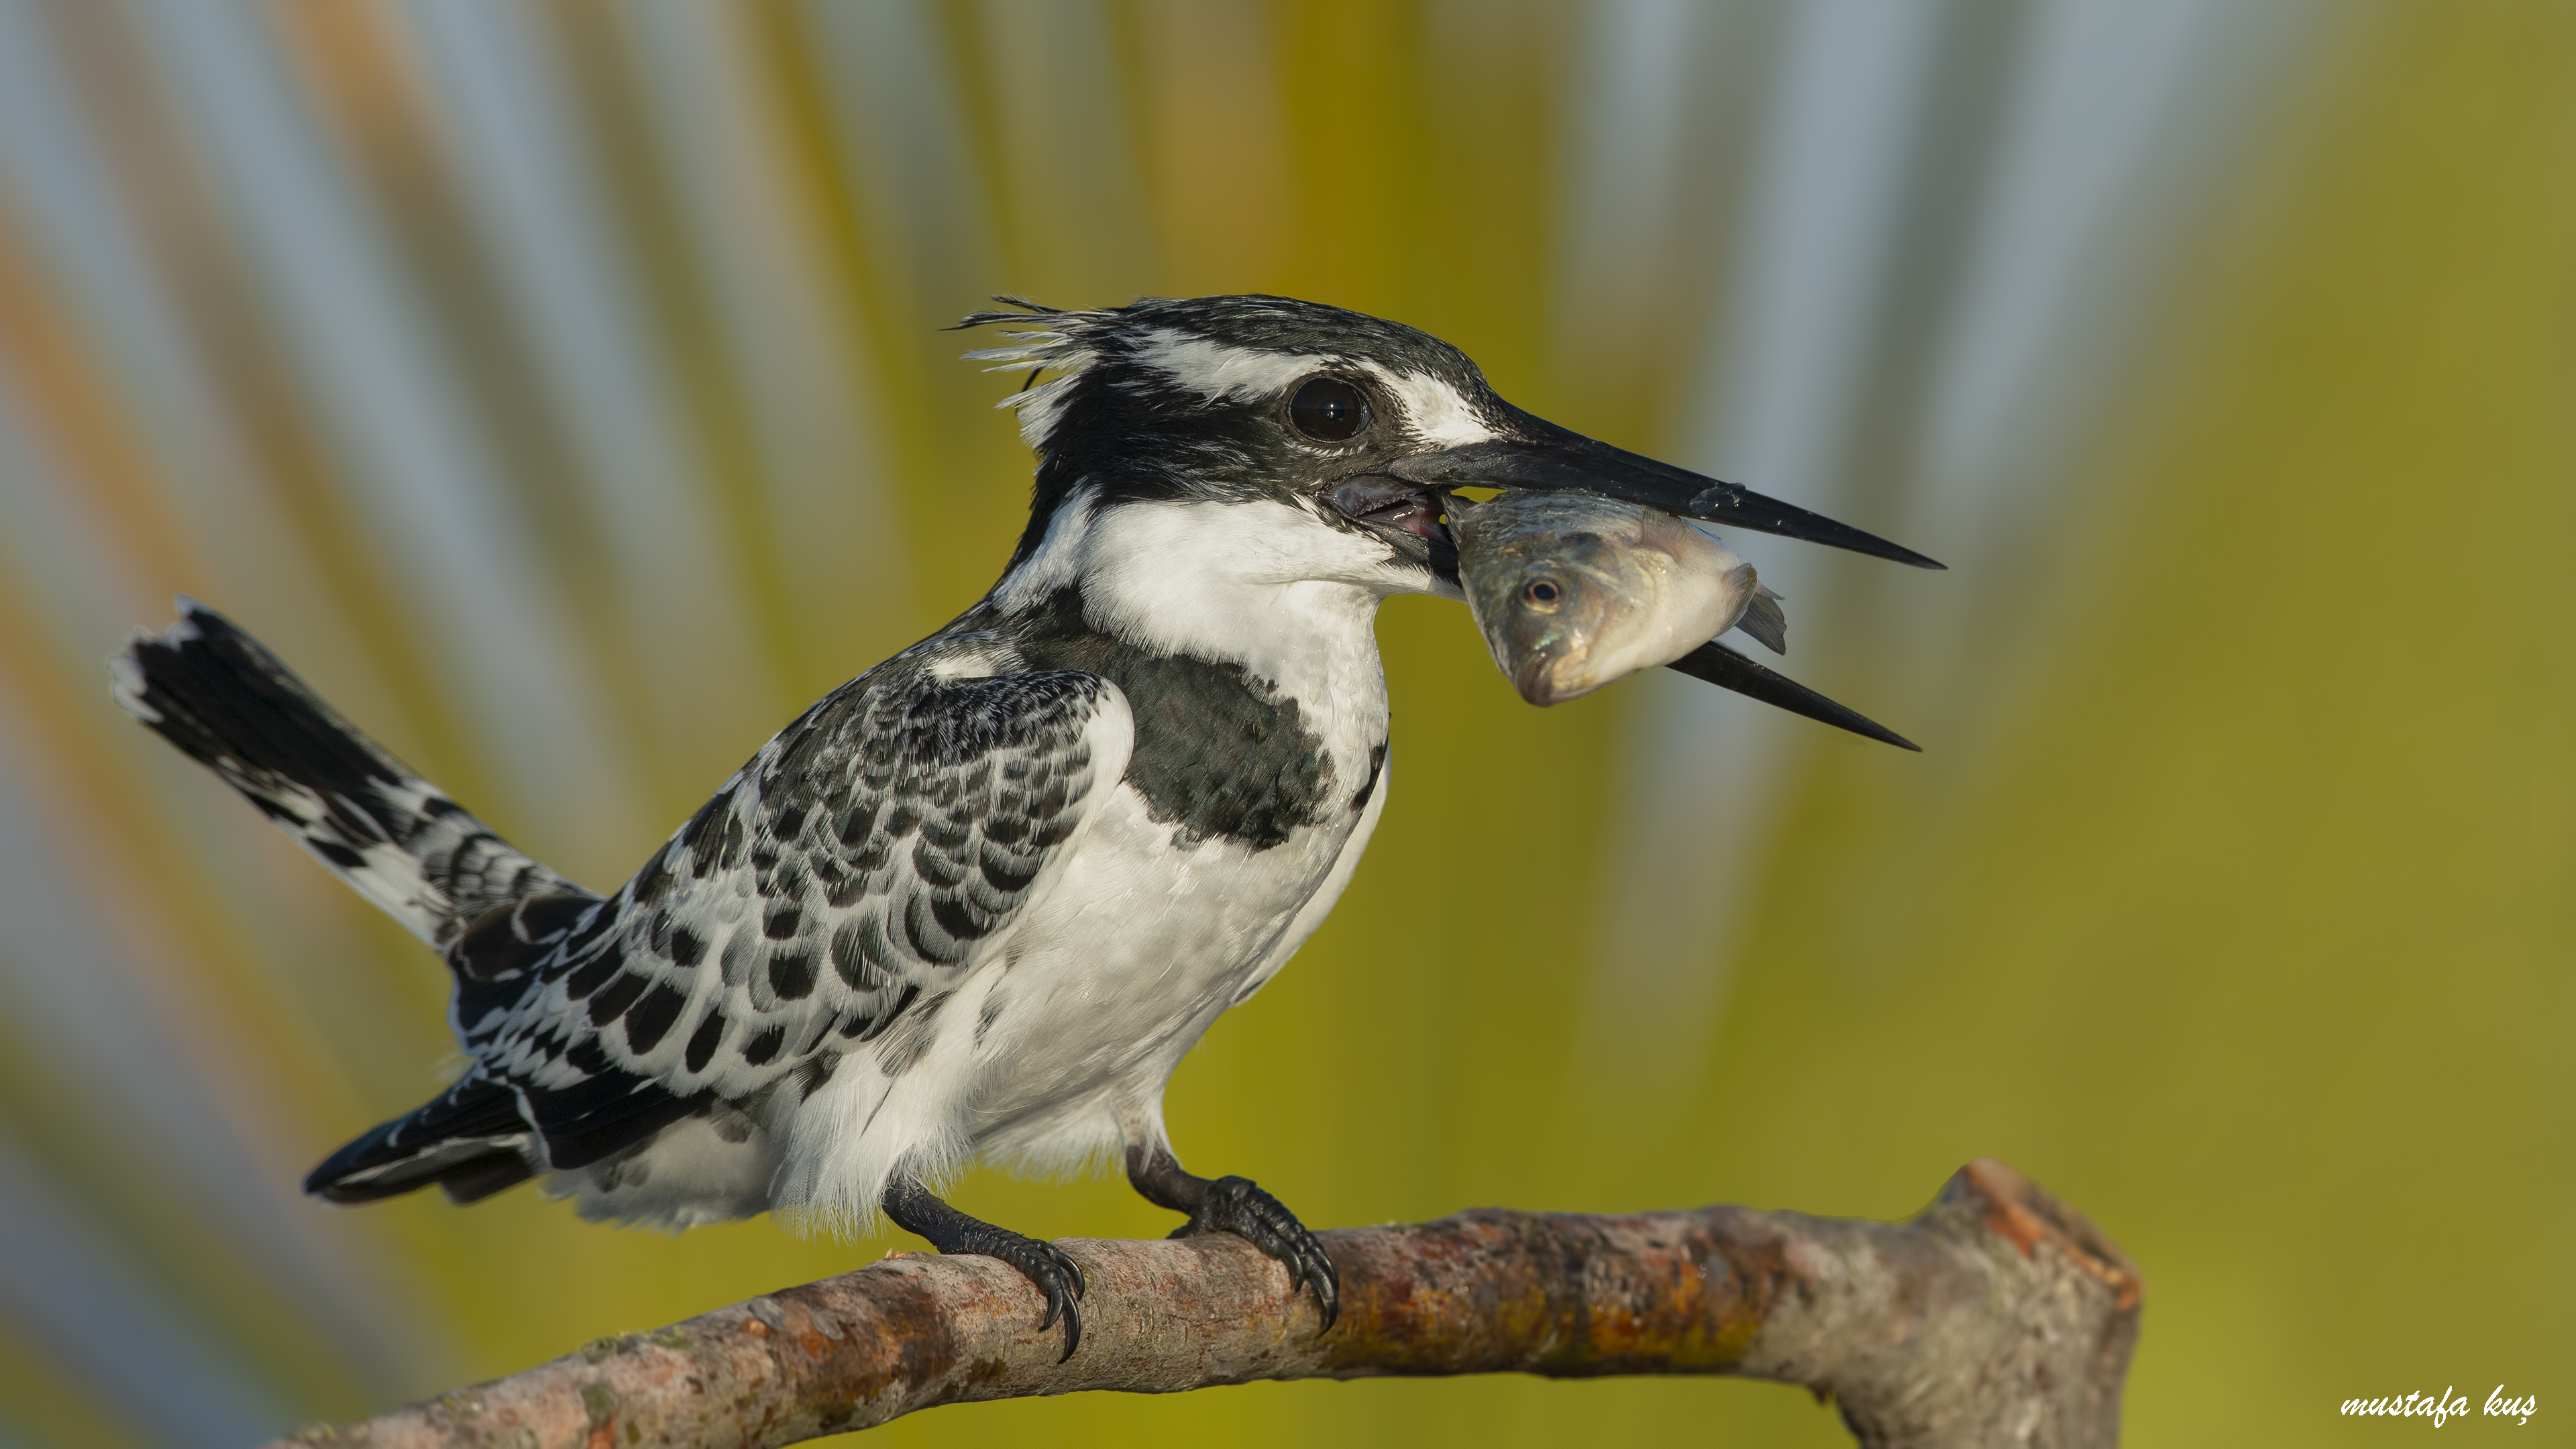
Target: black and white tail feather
x=225, y=701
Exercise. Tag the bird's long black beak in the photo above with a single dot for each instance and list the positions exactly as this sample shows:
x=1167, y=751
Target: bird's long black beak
x=1545, y=456
x=1716, y=664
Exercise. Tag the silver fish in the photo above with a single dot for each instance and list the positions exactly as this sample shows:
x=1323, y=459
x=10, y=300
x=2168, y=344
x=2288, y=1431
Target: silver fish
x=1574, y=590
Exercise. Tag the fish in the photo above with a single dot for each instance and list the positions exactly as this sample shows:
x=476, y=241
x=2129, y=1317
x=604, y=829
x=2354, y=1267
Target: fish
x=1573, y=590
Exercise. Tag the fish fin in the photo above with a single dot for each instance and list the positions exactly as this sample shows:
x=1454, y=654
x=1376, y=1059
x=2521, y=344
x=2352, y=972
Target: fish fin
x=1764, y=621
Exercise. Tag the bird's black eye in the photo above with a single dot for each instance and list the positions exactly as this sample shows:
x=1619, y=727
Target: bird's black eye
x=1542, y=591
x=1327, y=409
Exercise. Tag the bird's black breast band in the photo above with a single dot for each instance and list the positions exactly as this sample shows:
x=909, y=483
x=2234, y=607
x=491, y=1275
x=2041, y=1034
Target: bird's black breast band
x=1220, y=753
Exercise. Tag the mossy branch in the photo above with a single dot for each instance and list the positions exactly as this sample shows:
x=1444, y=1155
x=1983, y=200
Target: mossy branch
x=1998, y=1316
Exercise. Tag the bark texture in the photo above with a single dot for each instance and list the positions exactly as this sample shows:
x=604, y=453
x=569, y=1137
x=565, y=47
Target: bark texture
x=1999, y=1316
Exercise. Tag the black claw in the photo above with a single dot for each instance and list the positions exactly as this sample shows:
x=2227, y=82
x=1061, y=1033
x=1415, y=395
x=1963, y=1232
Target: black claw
x=1045, y=1265
x=1237, y=1205
x=1060, y=1279
x=1056, y=1276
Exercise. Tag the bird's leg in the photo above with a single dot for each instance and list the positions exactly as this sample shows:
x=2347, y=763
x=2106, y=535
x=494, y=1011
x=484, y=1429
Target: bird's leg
x=917, y=1210
x=1236, y=1205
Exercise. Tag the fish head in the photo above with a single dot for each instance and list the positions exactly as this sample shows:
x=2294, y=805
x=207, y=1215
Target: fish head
x=1573, y=591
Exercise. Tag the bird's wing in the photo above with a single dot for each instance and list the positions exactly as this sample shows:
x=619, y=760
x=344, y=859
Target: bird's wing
x=863, y=860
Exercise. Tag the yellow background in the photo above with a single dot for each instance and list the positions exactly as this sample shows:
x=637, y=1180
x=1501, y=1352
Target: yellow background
x=2236, y=904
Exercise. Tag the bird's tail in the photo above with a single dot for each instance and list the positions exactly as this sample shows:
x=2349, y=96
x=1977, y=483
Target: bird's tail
x=213, y=691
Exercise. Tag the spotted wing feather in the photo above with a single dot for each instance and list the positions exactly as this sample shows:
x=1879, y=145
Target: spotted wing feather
x=863, y=861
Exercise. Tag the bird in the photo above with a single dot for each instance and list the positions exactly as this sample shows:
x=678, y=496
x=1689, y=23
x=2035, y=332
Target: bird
x=976, y=903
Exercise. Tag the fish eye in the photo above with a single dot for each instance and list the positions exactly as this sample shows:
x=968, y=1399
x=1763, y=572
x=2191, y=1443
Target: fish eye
x=1327, y=410
x=1543, y=592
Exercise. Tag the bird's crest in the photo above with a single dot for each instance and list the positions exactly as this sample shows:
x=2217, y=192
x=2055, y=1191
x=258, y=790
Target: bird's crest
x=1047, y=340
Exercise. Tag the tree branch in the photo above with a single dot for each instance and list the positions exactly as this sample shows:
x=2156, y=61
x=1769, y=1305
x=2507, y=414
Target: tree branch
x=1998, y=1316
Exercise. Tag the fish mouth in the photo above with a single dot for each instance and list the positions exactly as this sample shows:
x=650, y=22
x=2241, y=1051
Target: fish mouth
x=1406, y=515
x=1545, y=680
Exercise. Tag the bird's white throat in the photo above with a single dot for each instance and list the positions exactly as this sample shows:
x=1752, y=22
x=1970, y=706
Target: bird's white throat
x=1262, y=584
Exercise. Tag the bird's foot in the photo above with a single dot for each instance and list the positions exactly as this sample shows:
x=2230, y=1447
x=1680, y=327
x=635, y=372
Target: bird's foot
x=917, y=1210
x=1237, y=1205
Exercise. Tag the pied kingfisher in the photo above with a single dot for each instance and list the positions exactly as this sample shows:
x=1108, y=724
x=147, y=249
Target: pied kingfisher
x=977, y=902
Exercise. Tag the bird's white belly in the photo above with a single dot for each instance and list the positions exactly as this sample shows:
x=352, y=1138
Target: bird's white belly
x=1130, y=959
x=1054, y=1049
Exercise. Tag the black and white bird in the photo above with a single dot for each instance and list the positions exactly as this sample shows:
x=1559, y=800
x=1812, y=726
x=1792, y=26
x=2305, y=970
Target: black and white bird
x=977, y=902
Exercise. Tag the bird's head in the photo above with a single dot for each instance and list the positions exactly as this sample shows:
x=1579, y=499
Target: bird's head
x=1350, y=428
